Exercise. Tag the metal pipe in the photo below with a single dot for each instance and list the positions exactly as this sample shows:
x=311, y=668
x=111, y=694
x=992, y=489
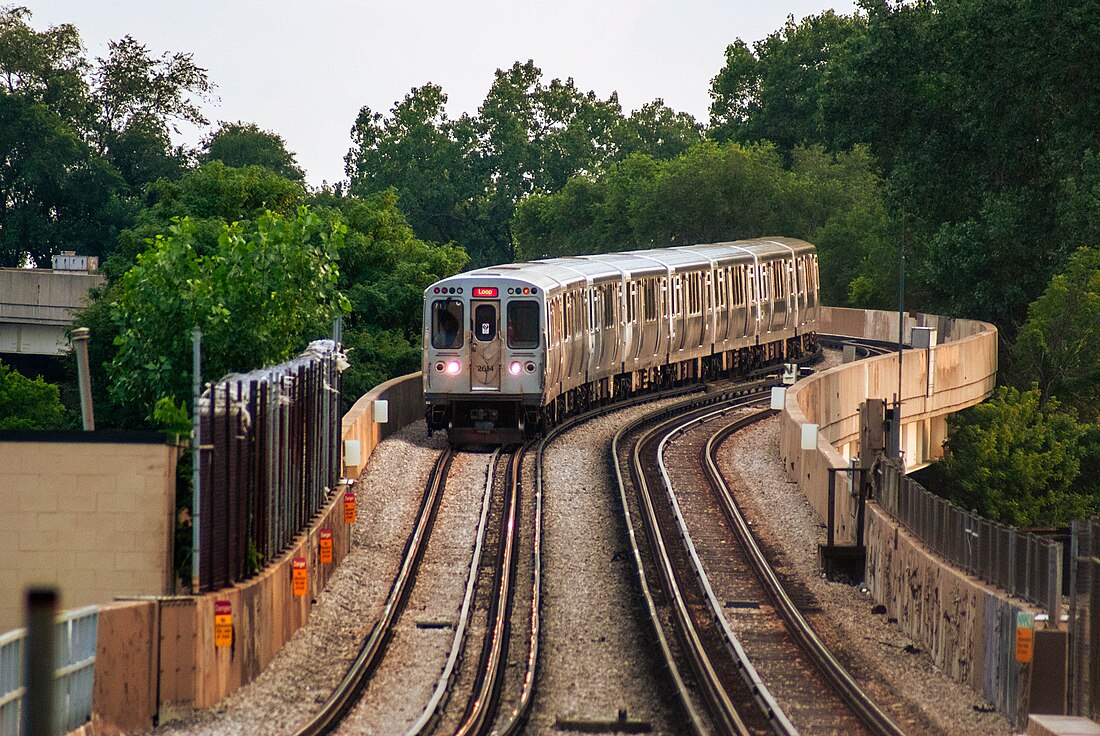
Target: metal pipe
x=38, y=669
x=196, y=454
x=79, y=339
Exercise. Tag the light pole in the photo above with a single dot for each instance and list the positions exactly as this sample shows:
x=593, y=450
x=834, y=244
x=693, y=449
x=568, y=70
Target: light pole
x=901, y=340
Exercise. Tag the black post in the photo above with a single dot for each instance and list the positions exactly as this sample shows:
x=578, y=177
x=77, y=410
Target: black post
x=38, y=669
x=832, y=508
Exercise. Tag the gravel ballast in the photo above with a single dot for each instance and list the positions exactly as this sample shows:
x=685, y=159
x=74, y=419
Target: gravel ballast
x=302, y=676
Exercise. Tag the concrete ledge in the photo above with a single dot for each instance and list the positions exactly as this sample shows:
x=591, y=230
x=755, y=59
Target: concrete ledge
x=406, y=405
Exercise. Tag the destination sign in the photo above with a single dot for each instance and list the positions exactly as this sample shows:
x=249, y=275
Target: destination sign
x=485, y=292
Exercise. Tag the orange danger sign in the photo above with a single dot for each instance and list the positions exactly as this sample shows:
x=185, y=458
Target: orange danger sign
x=223, y=624
x=349, y=507
x=326, y=546
x=1024, y=645
x=299, y=580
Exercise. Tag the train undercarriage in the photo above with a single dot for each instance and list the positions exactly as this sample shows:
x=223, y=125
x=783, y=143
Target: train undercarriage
x=498, y=420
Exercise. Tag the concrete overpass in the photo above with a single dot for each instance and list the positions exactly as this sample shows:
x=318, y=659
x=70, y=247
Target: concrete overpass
x=37, y=305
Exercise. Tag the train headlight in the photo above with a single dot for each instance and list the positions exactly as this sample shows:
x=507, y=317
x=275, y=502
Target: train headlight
x=530, y=366
x=516, y=368
x=454, y=367
x=440, y=367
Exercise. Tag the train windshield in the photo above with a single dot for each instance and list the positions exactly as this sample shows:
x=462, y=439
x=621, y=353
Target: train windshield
x=447, y=323
x=523, y=325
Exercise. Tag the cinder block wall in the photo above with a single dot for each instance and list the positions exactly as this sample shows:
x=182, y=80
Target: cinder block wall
x=89, y=512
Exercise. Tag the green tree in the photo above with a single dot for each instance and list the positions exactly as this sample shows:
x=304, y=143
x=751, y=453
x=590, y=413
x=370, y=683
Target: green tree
x=1019, y=461
x=80, y=139
x=212, y=196
x=657, y=130
x=1059, y=345
x=461, y=180
x=773, y=91
x=384, y=269
x=28, y=404
x=239, y=145
x=267, y=289
x=716, y=192
x=425, y=157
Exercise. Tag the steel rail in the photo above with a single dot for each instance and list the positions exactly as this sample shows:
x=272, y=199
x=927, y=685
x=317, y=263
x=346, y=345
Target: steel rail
x=481, y=709
x=349, y=689
x=718, y=701
x=834, y=672
x=767, y=703
x=696, y=720
x=431, y=713
x=518, y=716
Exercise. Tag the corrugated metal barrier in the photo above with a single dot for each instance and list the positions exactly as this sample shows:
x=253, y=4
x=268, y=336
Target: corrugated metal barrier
x=1024, y=564
x=270, y=459
x=76, y=643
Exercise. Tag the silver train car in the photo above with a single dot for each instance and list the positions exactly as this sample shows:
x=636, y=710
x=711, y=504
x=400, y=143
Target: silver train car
x=512, y=349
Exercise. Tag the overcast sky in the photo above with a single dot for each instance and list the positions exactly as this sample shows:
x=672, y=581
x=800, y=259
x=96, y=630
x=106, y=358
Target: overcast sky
x=303, y=70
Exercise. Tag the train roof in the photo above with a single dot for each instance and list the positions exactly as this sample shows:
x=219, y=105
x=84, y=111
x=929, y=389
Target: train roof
x=551, y=272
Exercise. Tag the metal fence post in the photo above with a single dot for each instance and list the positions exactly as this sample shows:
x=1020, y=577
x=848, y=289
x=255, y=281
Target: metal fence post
x=196, y=456
x=39, y=651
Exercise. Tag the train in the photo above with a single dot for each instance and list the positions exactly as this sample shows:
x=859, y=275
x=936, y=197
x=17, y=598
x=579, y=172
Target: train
x=511, y=350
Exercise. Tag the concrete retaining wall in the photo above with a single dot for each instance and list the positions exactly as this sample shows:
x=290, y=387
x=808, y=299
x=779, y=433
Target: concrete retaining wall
x=967, y=626
x=87, y=512
x=405, y=395
x=963, y=372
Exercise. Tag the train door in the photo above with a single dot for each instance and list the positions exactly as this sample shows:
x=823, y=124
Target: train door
x=485, y=349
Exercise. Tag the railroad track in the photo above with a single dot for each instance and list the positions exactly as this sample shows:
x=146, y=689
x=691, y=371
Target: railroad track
x=346, y=694
x=489, y=594
x=706, y=585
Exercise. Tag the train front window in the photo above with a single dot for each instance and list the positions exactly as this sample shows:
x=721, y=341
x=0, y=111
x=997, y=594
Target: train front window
x=523, y=325
x=447, y=324
x=485, y=323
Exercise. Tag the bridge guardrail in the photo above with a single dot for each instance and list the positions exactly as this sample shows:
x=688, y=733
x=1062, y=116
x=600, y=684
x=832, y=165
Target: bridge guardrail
x=75, y=672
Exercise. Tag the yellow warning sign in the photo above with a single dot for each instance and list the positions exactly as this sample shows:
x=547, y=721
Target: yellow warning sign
x=299, y=579
x=326, y=546
x=223, y=624
x=349, y=508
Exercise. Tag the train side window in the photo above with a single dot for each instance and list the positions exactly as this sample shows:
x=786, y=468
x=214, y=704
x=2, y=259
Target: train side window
x=608, y=307
x=523, y=325
x=447, y=321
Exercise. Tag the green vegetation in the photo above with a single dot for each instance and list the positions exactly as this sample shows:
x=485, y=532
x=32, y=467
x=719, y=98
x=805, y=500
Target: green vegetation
x=460, y=180
x=27, y=404
x=267, y=288
x=965, y=131
x=716, y=192
x=1023, y=462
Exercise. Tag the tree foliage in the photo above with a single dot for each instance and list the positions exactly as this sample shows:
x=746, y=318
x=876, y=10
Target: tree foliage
x=980, y=114
x=460, y=180
x=267, y=289
x=1059, y=344
x=28, y=404
x=80, y=139
x=717, y=192
x=240, y=145
x=1023, y=462
x=384, y=269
